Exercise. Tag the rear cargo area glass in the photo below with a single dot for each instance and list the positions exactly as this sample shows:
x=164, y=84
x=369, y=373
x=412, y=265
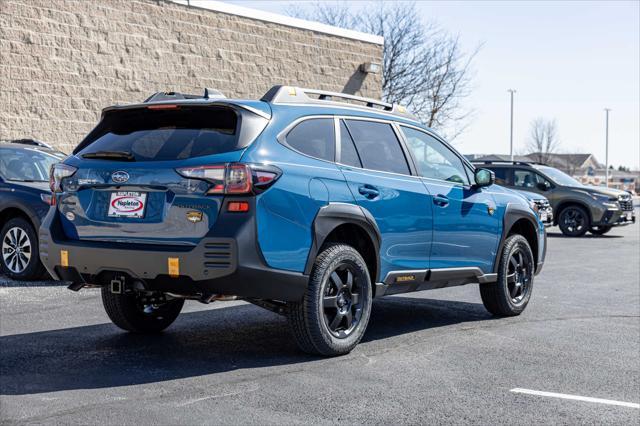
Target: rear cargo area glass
x=166, y=134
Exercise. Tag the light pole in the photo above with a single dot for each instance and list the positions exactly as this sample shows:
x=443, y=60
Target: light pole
x=606, y=152
x=512, y=91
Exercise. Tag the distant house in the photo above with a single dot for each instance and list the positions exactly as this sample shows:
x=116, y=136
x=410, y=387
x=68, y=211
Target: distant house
x=571, y=164
x=583, y=167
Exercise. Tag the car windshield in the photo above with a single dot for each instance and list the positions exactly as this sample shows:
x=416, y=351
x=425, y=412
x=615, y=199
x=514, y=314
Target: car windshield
x=27, y=164
x=559, y=177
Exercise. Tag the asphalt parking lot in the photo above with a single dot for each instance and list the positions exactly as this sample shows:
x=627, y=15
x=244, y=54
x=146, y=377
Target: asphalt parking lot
x=434, y=356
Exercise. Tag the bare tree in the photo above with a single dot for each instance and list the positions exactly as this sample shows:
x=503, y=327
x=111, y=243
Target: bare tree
x=543, y=139
x=424, y=68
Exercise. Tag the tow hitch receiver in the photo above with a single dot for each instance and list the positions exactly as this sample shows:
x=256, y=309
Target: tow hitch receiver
x=117, y=285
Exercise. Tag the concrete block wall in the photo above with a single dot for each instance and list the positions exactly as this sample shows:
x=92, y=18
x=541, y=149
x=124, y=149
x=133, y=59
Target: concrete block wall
x=62, y=61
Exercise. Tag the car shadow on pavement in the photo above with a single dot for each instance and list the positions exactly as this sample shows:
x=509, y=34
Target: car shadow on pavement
x=199, y=343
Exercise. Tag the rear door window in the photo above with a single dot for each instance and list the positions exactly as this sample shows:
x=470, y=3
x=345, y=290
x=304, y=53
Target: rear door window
x=314, y=137
x=378, y=146
x=171, y=134
x=528, y=179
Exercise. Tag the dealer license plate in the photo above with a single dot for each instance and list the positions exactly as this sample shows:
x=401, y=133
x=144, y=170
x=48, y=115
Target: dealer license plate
x=127, y=204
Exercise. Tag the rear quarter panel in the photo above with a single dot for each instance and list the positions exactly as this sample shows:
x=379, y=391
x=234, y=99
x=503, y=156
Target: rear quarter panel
x=286, y=211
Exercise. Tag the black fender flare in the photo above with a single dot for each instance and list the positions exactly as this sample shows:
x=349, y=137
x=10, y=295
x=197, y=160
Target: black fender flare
x=333, y=215
x=512, y=214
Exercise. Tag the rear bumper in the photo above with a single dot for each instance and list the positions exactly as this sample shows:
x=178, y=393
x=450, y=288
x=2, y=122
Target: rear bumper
x=227, y=262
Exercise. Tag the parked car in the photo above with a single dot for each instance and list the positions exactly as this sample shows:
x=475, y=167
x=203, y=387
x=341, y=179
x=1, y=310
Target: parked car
x=578, y=208
x=540, y=204
x=24, y=201
x=300, y=203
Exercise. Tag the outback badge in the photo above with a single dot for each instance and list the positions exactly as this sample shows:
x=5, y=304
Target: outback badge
x=194, y=217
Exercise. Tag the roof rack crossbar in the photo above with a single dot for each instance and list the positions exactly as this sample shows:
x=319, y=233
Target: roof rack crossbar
x=298, y=95
x=520, y=163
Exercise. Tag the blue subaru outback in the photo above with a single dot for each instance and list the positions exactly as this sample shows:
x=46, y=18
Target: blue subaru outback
x=307, y=203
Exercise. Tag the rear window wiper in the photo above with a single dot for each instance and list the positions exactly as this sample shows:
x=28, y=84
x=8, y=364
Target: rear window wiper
x=110, y=155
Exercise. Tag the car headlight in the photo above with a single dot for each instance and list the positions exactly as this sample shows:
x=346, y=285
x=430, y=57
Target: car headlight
x=606, y=201
x=534, y=206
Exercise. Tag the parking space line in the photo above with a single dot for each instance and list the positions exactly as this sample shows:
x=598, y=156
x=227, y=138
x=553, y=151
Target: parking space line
x=576, y=397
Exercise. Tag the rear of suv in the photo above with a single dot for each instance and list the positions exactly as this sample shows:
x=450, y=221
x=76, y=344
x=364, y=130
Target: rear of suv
x=578, y=208
x=306, y=203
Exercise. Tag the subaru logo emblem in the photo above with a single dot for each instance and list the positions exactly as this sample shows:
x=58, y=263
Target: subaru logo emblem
x=120, y=176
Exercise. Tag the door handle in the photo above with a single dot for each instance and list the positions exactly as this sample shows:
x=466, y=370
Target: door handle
x=440, y=200
x=368, y=191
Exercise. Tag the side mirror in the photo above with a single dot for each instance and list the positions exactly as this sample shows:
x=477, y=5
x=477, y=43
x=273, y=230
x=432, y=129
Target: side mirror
x=484, y=177
x=543, y=186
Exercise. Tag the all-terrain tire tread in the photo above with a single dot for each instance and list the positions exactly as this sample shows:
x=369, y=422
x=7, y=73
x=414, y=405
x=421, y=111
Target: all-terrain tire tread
x=493, y=295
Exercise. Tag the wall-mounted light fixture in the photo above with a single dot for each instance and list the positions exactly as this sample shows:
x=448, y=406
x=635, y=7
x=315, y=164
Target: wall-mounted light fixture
x=370, y=68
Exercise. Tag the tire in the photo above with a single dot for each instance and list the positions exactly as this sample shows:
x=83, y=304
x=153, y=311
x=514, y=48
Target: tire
x=574, y=221
x=20, y=258
x=126, y=311
x=510, y=294
x=600, y=230
x=334, y=313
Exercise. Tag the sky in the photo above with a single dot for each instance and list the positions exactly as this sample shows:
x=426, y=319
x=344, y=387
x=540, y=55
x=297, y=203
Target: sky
x=566, y=60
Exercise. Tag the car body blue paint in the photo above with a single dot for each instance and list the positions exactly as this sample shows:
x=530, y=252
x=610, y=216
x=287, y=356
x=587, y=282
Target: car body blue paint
x=416, y=233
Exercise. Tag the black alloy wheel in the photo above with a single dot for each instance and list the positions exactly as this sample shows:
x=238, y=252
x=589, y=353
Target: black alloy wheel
x=573, y=221
x=519, y=275
x=332, y=317
x=511, y=292
x=341, y=303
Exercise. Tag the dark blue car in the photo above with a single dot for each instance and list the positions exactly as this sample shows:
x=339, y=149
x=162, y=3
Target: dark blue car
x=307, y=203
x=24, y=201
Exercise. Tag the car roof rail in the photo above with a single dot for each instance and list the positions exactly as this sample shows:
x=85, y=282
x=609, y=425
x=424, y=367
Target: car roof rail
x=518, y=163
x=174, y=96
x=31, y=142
x=298, y=95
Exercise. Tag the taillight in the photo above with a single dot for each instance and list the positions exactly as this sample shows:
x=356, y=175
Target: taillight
x=48, y=199
x=233, y=178
x=58, y=172
x=238, y=179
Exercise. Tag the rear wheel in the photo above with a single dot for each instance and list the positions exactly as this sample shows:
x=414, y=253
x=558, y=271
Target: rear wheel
x=20, y=258
x=600, y=230
x=574, y=221
x=333, y=316
x=510, y=294
x=131, y=312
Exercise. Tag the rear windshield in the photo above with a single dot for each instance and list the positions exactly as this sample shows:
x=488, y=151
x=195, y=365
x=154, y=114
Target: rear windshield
x=161, y=135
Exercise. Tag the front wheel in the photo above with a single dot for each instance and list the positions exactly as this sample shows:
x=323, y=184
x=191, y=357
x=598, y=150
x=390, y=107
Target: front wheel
x=600, y=230
x=20, y=258
x=334, y=313
x=510, y=294
x=132, y=313
x=574, y=221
